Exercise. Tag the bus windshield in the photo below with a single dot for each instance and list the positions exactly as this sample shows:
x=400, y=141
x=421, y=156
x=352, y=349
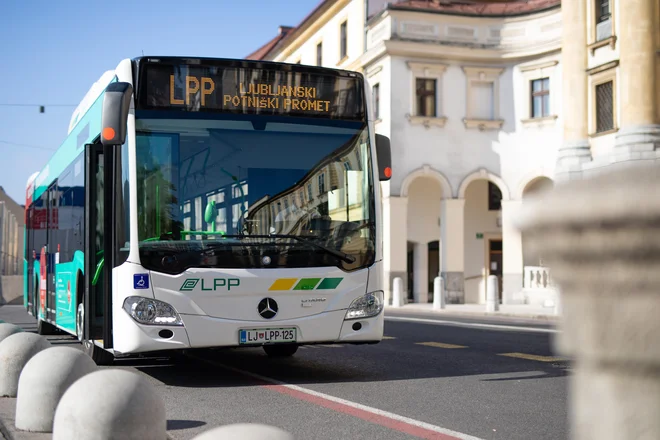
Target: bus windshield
x=246, y=191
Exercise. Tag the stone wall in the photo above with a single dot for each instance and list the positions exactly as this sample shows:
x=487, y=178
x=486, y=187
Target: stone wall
x=11, y=289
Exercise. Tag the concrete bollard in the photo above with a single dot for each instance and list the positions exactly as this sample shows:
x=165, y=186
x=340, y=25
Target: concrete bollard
x=558, y=303
x=245, y=431
x=492, y=294
x=110, y=404
x=601, y=237
x=7, y=329
x=43, y=381
x=397, y=294
x=438, y=293
x=15, y=351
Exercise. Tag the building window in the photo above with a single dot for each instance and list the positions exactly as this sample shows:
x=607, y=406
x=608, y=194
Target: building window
x=494, y=197
x=343, y=41
x=604, y=106
x=602, y=10
x=483, y=103
x=376, y=101
x=603, y=15
x=426, y=97
x=319, y=54
x=540, y=98
x=321, y=183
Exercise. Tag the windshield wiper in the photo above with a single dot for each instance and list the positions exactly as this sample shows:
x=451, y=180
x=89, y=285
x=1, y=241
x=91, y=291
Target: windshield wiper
x=341, y=255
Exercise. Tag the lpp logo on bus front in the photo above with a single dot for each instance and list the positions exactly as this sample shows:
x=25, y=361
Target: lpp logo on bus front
x=190, y=283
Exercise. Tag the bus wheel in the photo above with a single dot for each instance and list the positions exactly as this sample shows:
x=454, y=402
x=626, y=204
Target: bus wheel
x=281, y=350
x=98, y=355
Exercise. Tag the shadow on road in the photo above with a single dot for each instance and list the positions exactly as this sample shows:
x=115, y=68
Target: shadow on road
x=391, y=360
x=175, y=425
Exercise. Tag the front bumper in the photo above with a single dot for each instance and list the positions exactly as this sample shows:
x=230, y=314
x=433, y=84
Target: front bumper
x=201, y=331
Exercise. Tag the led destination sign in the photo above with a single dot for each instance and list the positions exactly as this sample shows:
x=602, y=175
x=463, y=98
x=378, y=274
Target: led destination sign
x=250, y=91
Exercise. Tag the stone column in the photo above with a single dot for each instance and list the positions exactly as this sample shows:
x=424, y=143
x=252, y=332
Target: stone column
x=601, y=236
x=639, y=135
x=575, y=149
x=421, y=269
x=395, y=240
x=452, y=242
x=512, y=258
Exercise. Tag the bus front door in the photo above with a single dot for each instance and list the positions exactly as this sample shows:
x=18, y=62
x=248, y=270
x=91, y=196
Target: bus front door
x=96, y=300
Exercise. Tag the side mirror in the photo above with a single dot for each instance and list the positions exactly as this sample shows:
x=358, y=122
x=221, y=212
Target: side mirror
x=116, y=103
x=384, y=156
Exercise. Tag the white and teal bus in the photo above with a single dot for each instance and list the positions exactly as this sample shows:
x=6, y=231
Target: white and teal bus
x=201, y=203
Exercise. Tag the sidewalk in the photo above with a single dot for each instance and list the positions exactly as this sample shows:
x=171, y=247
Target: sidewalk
x=522, y=311
x=7, y=429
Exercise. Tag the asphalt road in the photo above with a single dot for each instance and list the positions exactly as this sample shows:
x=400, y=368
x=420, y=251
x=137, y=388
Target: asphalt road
x=432, y=378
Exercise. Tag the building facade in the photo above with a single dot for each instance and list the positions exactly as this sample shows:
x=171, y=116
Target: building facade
x=487, y=104
x=12, y=225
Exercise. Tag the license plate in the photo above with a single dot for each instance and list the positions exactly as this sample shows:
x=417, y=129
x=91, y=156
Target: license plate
x=266, y=335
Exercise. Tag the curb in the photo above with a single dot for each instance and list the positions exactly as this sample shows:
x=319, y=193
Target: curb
x=536, y=317
x=4, y=432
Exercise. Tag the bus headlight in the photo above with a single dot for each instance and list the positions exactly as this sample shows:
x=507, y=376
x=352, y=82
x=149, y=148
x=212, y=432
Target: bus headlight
x=151, y=311
x=366, y=306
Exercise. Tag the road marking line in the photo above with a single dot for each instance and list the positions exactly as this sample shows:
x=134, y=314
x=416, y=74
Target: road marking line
x=440, y=345
x=388, y=337
x=471, y=324
x=533, y=357
x=374, y=415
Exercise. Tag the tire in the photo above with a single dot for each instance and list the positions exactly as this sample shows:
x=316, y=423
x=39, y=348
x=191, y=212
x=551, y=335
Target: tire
x=98, y=355
x=284, y=350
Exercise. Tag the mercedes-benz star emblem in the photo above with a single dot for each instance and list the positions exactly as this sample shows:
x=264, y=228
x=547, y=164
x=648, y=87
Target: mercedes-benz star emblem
x=267, y=308
x=266, y=260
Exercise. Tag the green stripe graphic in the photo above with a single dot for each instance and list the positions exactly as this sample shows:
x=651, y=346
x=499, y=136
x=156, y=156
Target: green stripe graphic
x=307, y=284
x=329, y=283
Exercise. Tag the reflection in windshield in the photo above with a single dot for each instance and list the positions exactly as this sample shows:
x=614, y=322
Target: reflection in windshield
x=204, y=180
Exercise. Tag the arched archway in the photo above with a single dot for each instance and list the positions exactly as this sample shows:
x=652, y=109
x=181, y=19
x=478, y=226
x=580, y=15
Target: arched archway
x=484, y=174
x=483, y=193
x=424, y=189
x=534, y=187
x=530, y=179
x=427, y=171
x=537, y=186
x=537, y=284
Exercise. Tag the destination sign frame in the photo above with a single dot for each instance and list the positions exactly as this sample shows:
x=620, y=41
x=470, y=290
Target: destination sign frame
x=212, y=86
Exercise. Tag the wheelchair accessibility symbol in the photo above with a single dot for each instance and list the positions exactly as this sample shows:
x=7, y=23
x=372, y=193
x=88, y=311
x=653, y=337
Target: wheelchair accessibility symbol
x=140, y=281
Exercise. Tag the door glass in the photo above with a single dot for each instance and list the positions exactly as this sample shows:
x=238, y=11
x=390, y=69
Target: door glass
x=96, y=245
x=51, y=251
x=29, y=255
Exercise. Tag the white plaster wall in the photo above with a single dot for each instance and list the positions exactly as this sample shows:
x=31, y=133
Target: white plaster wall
x=424, y=197
x=453, y=150
x=477, y=219
x=329, y=34
x=530, y=150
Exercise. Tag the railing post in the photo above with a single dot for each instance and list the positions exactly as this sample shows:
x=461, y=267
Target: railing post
x=438, y=293
x=492, y=294
x=601, y=237
x=397, y=294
